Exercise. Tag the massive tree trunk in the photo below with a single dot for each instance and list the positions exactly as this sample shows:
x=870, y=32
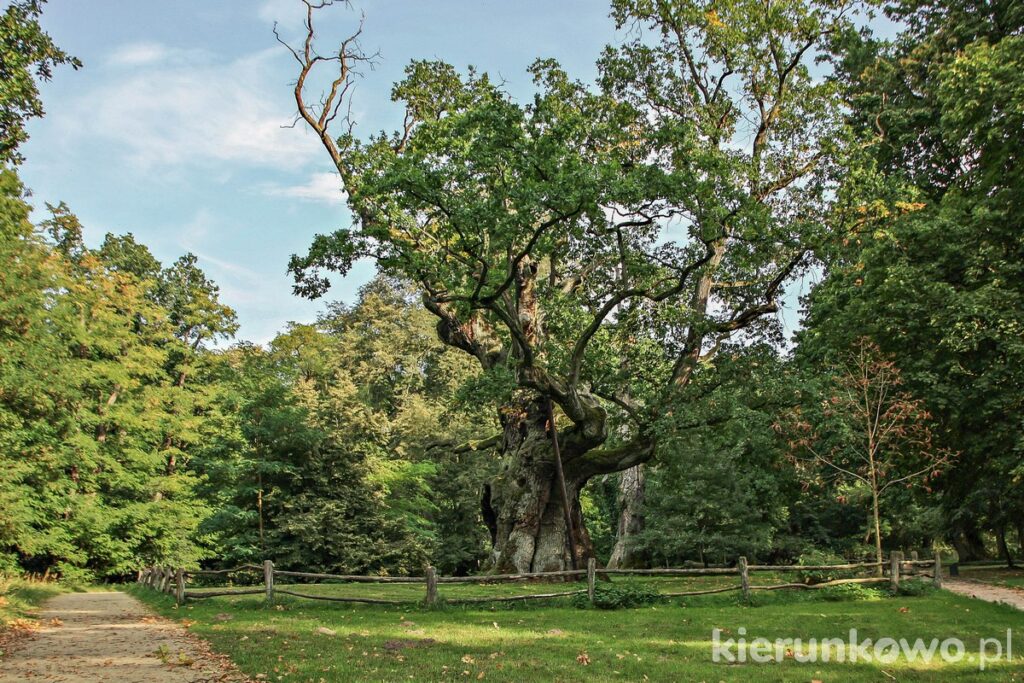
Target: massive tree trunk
x=969, y=544
x=631, y=520
x=523, y=502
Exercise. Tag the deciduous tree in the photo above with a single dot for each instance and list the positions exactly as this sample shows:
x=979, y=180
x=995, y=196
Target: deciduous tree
x=867, y=428
x=594, y=247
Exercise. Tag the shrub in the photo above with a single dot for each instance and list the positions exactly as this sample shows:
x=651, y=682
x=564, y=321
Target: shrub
x=849, y=592
x=617, y=597
x=916, y=587
x=73, y=576
x=820, y=557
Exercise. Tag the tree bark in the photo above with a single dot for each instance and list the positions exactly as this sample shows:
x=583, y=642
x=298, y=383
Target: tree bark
x=876, y=514
x=1004, y=548
x=631, y=520
x=969, y=544
x=524, y=500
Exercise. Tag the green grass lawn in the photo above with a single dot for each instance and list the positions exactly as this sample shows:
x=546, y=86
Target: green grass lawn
x=415, y=592
x=1014, y=578
x=555, y=641
x=19, y=600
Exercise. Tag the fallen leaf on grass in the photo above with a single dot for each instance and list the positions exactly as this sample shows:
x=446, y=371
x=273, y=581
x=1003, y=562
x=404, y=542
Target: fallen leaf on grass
x=323, y=630
x=583, y=658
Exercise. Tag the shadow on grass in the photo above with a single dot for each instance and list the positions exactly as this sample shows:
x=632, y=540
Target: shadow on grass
x=551, y=640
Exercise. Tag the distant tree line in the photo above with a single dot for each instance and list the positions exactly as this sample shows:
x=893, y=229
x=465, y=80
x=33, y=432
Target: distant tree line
x=525, y=288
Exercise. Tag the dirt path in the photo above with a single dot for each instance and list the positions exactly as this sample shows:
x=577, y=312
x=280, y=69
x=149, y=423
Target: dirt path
x=89, y=637
x=986, y=592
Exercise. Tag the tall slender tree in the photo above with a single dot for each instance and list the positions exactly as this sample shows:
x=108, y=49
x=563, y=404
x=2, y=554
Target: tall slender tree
x=866, y=428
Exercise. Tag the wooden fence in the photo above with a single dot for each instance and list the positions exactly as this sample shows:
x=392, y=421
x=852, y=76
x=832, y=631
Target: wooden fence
x=174, y=580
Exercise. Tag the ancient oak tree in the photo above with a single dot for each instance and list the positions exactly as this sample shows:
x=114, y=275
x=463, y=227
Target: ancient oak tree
x=595, y=246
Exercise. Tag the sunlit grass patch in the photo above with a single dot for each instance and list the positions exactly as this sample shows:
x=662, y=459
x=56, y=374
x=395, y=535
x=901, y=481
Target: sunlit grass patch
x=19, y=600
x=1013, y=578
x=304, y=640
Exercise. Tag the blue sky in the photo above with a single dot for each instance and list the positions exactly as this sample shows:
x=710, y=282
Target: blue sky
x=173, y=129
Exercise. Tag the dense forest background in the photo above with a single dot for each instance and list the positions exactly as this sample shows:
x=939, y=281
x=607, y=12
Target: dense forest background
x=136, y=430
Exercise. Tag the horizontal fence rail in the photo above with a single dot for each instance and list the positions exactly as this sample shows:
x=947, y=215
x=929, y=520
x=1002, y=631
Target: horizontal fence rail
x=813, y=567
x=353, y=578
x=219, y=572
x=671, y=572
x=500, y=578
x=174, y=580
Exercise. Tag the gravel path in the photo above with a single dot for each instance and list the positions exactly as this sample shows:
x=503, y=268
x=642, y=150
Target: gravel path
x=87, y=637
x=986, y=592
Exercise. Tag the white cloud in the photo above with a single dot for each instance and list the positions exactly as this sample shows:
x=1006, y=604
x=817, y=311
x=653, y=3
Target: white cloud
x=152, y=54
x=168, y=113
x=239, y=284
x=138, y=54
x=278, y=10
x=234, y=271
x=321, y=187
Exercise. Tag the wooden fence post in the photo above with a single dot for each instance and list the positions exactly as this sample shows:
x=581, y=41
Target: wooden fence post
x=913, y=569
x=937, y=579
x=179, y=581
x=895, y=558
x=431, y=578
x=591, y=576
x=268, y=580
x=168, y=579
x=744, y=577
